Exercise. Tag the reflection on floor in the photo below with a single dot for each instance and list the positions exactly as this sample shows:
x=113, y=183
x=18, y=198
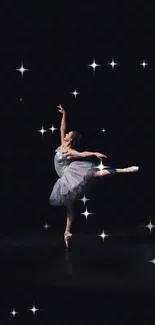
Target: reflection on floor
x=91, y=279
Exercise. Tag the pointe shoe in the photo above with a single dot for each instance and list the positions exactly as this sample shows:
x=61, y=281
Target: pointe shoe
x=131, y=169
x=67, y=236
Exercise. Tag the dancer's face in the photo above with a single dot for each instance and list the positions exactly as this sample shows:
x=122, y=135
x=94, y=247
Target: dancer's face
x=68, y=136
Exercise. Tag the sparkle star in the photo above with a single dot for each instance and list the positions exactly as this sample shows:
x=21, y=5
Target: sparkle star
x=103, y=235
x=75, y=93
x=33, y=309
x=42, y=131
x=46, y=226
x=143, y=64
x=52, y=128
x=13, y=313
x=94, y=65
x=22, y=69
x=21, y=99
x=113, y=63
x=103, y=130
x=101, y=166
x=86, y=213
x=84, y=199
x=150, y=226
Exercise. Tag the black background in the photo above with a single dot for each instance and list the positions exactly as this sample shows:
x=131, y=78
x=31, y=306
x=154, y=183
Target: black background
x=56, y=42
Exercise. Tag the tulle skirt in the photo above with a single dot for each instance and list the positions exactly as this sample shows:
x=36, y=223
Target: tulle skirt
x=77, y=177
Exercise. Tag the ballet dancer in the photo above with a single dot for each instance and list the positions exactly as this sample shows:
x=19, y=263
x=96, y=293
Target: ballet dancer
x=75, y=175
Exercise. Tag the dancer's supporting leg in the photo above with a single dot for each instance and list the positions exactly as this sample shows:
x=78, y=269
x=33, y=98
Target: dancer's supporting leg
x=70, y=217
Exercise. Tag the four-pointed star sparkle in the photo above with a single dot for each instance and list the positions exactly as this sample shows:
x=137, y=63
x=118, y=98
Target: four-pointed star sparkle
x=42, y=131
x=13, y=313
x=150, y=226
x=143, y=64
x=75, y=93
x=101, y=166
x=46, y=226
x=94, y=65
x=22, y=69
x=113, y=63
x=103, y=130
x=84, y=199
x=33, y=309
x=103, y=235
x=86, y=213
x=53, y=128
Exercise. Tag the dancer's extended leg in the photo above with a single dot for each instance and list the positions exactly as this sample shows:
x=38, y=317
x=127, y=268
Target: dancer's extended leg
x=113, y=171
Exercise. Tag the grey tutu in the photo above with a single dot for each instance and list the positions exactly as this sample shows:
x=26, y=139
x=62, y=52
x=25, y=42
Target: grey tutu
x=74, y=177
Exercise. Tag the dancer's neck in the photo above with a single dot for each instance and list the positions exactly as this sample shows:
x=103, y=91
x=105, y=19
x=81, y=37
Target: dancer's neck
x=66, y=145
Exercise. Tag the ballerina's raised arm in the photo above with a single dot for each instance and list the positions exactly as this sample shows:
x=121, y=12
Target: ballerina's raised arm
x=63, y=123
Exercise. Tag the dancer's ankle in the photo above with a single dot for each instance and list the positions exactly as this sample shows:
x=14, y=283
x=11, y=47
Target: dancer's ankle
x=67, y=230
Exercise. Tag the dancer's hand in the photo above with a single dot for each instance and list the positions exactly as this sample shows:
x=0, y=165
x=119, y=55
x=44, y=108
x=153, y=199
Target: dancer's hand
x=100, y=155
x=61, y=110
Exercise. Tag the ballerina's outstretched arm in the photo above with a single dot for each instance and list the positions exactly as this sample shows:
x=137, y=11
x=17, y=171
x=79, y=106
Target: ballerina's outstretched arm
x=63, y=123
x=76, y=154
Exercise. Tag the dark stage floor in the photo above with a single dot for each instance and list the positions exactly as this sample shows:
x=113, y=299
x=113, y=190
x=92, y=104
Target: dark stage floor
x=94, y=280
